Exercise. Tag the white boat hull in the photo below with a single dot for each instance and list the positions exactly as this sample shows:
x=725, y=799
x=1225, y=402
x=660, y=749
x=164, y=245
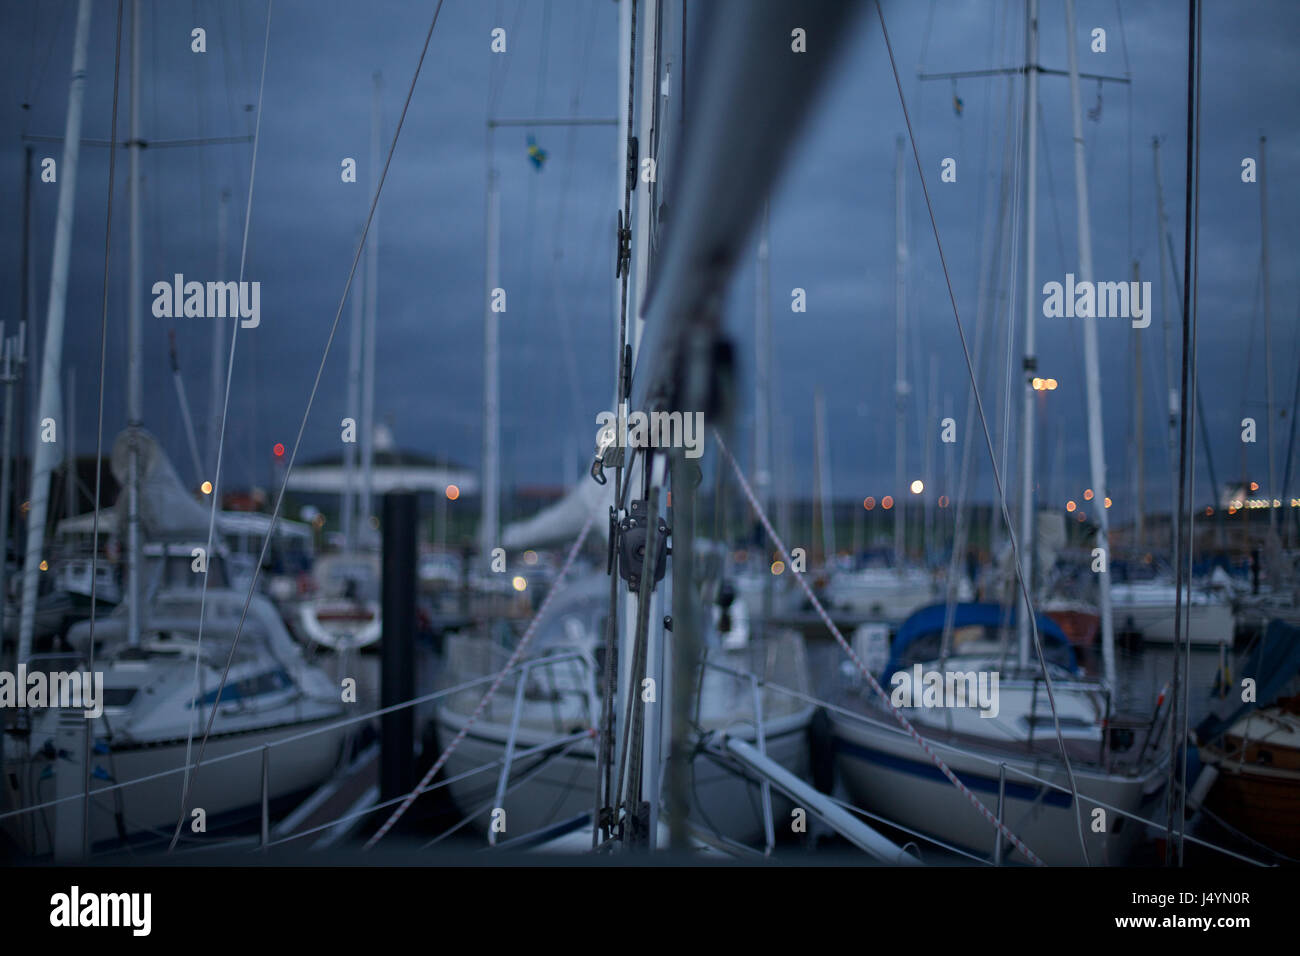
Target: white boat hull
x=227, y=791
x=1207, y=624
x=885, y=772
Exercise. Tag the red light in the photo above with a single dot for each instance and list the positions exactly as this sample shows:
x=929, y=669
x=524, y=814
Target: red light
x=279, y=450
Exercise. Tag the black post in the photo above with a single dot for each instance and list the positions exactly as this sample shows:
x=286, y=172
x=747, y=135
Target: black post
x=397, y=680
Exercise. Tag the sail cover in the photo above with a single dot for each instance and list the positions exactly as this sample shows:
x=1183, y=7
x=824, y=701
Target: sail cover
x=167, y=510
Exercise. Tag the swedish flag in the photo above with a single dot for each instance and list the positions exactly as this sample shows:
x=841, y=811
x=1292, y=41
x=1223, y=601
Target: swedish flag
x=536, y=155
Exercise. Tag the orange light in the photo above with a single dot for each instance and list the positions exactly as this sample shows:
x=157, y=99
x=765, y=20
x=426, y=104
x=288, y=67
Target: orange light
x=943, y=501
x=519, y=583
x=1254, y=486
x=868, y=502
x=1070, y=506
x=45, y=565
x=452, y=492
x=887, y=502
x=1082, y=517
x=206, y=487
x=278, y=449
x=1232, y=510
x=1208, y=511
x=1087, y=494
x=778, y=567
x=1038, y=384
x=1051, y=384
x=1107, y=502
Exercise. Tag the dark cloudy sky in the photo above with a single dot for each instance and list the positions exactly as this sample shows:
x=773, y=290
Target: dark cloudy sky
x=832, y=224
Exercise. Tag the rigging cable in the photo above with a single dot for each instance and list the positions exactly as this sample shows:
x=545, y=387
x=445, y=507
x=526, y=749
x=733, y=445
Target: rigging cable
x=491, y=691
x=99, y=433
x=279, y=501
x=839, y=638
x=188, y=782
x=997, y=477
x=1192, y=252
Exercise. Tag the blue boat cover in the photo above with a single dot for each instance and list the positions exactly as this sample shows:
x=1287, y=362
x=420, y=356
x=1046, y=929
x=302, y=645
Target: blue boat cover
x=1271, y=662
x=928, y=621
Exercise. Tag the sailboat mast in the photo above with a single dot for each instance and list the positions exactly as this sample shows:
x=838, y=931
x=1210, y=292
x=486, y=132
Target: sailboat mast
x=762, y=366
x=48, y=405
x=134, y=384
x=1268, y=336
x=823, y=476
x=1170, y=386
x=491, y=412
x=70, y=448
x=1092, y=371
x=1028, y=544
x=218, y=378
x=353, y=411
x=372, y=320
x=1139, y=438
x=900, y=354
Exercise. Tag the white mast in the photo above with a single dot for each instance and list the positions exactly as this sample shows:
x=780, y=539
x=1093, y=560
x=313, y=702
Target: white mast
x=491, y=413
x=134, y=392
x=372, y=319
x=1268, y=340
x=48, y=403
x=762, y=367
x=900, y=357
x=353, y=411
x=70, y=445
x=219, y=352
x=1096, y=446
x=823, y=460
x=1028, y=544
x=642, y=218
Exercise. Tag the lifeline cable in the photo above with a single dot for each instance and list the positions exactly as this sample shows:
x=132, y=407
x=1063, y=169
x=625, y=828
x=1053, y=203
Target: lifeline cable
x=487, y=696
x=835, y=633
x=997, y=475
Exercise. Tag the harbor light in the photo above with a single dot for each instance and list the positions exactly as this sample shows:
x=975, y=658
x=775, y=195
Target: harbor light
x=887, y=502
x=1070, y=505
x=1254, y=486
x=918, y=486
x=1087, y=494
x=868, y=502
x=519, y=583
x=1051, y=384
x=452, y=492
x=1038, y=384
x=206, y=487
x=778, y=567
x=1108, y=502
x=45, y=565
